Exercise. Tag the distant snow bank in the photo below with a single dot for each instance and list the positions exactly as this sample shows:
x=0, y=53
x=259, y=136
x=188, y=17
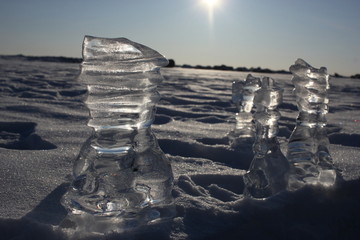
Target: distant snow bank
x=41, y=58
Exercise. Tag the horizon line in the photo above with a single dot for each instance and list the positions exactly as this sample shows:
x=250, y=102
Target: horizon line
x=221, y=67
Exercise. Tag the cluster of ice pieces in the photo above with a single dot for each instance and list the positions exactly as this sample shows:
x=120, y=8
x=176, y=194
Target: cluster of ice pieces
x=123, y=180
x=308, y=161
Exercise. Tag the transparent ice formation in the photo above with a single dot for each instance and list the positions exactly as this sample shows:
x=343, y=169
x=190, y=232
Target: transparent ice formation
x=268, y=170
x=310, y=161
x=122, y=178
x=243, y=97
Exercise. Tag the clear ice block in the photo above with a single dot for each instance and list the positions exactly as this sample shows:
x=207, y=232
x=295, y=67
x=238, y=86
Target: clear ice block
x=243, y=93
x=308, y=154
x=268, y=170
x=121, y=177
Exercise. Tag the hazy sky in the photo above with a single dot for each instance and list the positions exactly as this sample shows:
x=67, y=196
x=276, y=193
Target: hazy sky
x=250, y=33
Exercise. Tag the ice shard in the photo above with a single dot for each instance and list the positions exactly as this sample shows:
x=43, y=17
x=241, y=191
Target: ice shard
x=243, y=93
x=122, y=178
x=268, y=170
x=308, y=154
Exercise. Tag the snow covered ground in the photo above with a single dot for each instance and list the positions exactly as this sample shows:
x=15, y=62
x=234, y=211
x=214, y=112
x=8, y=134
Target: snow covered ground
x=43, y=125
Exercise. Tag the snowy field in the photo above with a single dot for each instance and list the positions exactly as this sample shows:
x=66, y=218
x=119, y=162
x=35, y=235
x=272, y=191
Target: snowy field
x=43, y=125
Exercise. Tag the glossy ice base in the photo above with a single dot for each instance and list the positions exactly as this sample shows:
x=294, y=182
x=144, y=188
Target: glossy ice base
x=84, y=225
x=267, y=174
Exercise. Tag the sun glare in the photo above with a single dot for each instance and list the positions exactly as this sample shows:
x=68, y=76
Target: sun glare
x=211, y=5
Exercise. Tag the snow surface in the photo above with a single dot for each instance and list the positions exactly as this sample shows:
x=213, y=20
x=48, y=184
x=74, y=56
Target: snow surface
x=43, y=125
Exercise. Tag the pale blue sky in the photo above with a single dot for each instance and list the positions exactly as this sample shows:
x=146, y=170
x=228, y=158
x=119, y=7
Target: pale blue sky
x=250, y=33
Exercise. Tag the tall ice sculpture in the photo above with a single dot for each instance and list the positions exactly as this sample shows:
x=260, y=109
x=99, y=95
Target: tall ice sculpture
x=122, y=179
x=310, y=161
x=268, y=170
